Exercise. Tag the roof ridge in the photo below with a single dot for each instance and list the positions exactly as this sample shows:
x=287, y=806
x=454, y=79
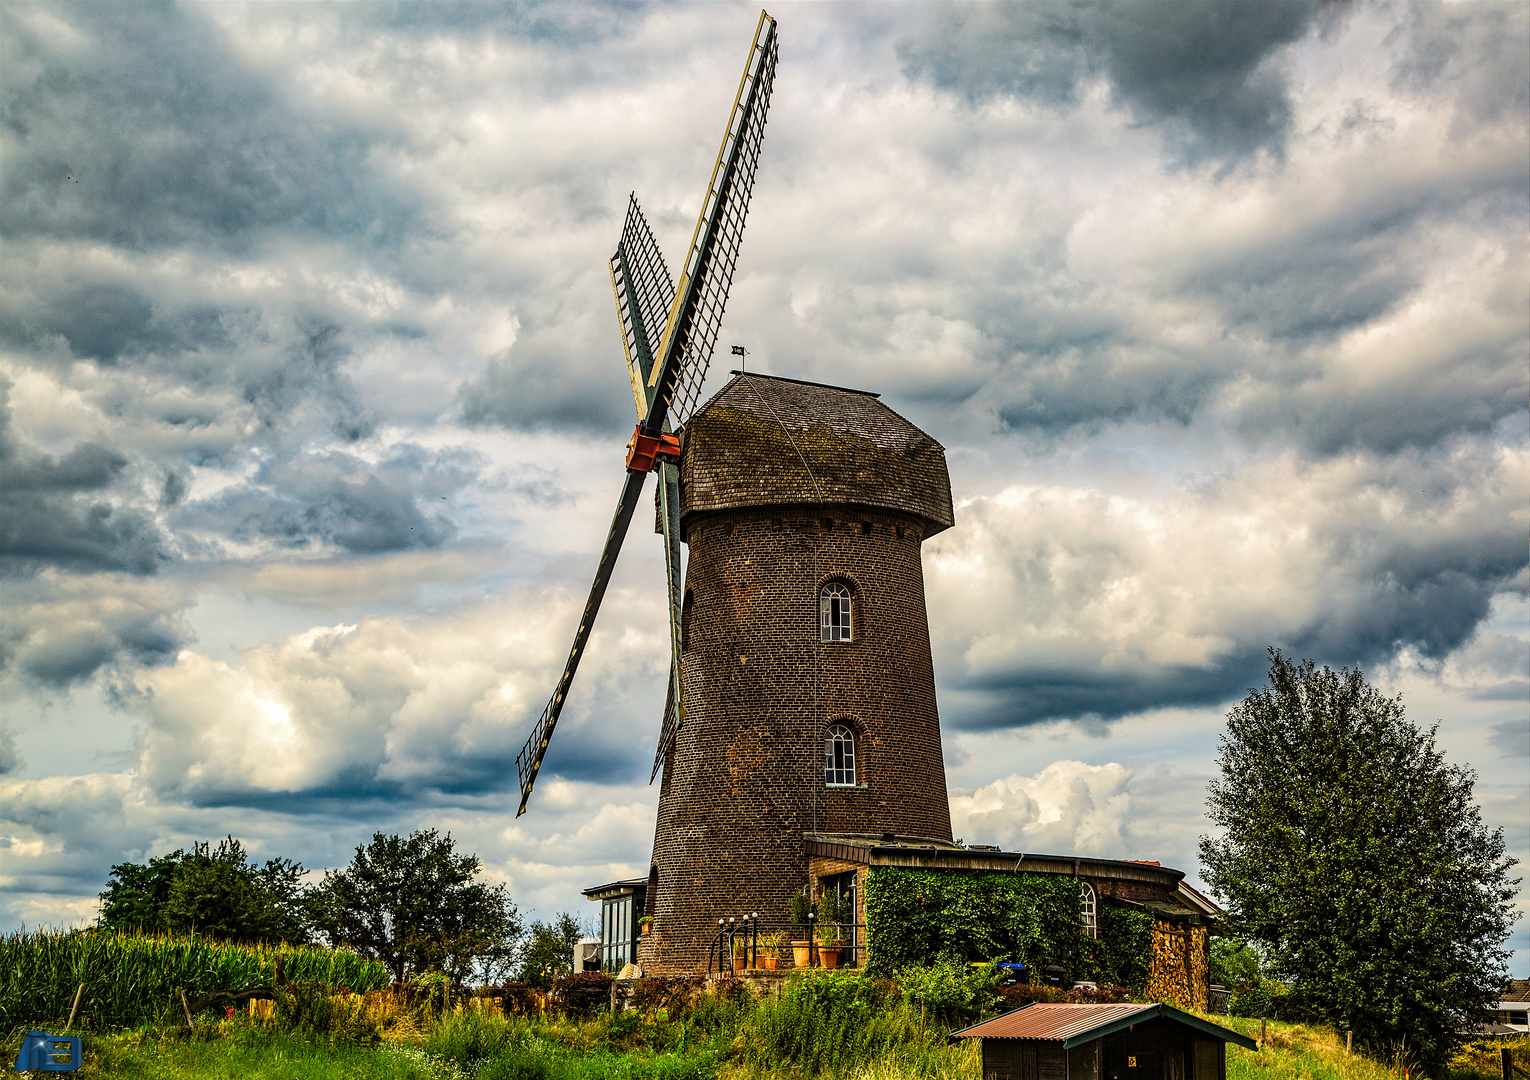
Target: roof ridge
x=802, y=382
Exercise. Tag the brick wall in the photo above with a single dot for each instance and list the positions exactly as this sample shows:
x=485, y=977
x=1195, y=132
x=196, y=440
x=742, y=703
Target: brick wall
x=743, y=780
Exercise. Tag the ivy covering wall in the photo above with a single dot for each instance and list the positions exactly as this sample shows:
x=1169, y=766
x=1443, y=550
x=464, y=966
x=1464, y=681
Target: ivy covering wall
x=916, y=917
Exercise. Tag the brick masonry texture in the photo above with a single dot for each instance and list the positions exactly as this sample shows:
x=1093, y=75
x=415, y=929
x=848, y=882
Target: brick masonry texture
x=743, y=779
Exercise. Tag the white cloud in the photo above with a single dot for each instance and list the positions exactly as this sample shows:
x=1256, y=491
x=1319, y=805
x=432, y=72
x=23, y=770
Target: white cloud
x=1069, y=807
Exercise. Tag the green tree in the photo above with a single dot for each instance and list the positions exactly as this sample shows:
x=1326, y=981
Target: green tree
x=415, y=905
x=1355, y=858
x=549, y=950
x=135, y=894
x=1234, y=964
x=218, y=892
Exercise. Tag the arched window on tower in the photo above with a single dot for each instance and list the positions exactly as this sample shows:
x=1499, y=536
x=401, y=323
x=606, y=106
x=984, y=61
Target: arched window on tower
x=1088, y=909
x=839, y=756
x=834, y=612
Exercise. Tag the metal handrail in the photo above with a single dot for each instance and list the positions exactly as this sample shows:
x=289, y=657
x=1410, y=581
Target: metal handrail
x=720, y=953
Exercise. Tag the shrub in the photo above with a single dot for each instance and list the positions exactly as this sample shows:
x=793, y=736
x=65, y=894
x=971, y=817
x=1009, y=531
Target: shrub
x=1014, y=997
x=677, y=995
x=950, y=991
x=1269, y=999
x=316, y=1007
x=515, y=998
x=583, y=994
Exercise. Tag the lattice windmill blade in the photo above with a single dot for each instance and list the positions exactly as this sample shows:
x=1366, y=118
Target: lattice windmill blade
x=669, y=368
x=695, y=317
x=669, y=524
x=644, y=294
x=529, y=760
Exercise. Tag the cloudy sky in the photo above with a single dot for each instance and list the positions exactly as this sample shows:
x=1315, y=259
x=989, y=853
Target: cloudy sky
x=314, y=404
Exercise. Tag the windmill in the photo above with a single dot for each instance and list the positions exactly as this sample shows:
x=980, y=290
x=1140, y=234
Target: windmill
x=668, y=334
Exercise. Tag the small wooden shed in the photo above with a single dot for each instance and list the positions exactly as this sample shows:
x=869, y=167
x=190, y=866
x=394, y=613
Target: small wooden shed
x=1102, y=1042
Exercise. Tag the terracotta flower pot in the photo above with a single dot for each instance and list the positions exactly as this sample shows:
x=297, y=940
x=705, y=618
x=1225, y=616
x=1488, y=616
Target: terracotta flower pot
x=645, y=927
x=770, y=962
x=800, y=953
x=828, y=956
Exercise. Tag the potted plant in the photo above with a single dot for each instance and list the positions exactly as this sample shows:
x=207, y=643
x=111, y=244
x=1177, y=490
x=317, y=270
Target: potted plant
x=828, y=945
x=740, y=953
x=829, y=917
x=645, y=924
x=801, y=907
x=770, y=950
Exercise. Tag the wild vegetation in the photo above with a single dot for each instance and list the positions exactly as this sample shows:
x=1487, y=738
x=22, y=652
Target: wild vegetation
x=825, y=1024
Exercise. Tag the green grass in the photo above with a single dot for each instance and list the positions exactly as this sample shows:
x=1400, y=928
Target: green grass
x=132, y=979
x=840, y=1028
x=496, y=1050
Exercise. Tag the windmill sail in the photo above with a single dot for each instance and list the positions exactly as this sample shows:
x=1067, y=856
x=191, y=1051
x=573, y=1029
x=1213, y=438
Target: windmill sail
x=529, y=760
x=669, y=523
x=671, y=365
x=695, y=317
x=644, y=294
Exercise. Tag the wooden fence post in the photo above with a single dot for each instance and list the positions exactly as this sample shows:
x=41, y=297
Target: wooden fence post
x=1505, y=1063
x=75, y=1008
x=1261, y=1033
x=1349, y=1042
x=187, y=1008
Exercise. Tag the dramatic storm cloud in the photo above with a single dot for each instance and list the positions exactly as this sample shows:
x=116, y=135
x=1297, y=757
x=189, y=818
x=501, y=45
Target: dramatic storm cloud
x=312, y=402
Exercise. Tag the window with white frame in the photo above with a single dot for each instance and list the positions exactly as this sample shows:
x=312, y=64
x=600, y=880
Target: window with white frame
x=1088, y=909
x=839, y=756
x=834, y=612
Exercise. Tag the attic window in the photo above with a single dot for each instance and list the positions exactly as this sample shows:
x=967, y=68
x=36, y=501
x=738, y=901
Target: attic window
x=1088, y=910
x=834, y=612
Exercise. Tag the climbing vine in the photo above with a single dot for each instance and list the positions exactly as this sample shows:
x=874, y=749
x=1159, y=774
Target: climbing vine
x=916, y=917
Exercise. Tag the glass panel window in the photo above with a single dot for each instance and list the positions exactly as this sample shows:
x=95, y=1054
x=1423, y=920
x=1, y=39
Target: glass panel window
x=839, y=756
x=1087, y=909
x=834, y=612
x=616, y=944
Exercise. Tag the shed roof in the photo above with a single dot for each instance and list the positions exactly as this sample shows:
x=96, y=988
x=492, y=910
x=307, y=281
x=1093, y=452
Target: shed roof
x=767, y=441
x=1073, y=1025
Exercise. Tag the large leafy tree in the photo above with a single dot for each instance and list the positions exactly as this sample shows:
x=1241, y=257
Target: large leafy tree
x=218, y=892
x=1355, y=857
x=416, y=905
x=135, y=894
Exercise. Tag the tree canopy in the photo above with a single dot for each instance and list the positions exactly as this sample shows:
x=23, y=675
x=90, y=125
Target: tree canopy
x=219, y=892
x=415, y=904
x=549, y=950
x=1356, y=859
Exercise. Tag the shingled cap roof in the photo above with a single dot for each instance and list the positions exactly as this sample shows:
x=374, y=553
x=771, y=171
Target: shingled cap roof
x=1074, y=1025
x=765, y=441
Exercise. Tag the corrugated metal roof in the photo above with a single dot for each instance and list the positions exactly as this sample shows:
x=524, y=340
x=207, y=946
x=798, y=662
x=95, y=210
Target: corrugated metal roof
x=1073, y=1025
x=1055, y=1023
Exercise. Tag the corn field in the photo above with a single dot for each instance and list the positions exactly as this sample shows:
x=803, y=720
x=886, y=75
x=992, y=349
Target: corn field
x=133, y=979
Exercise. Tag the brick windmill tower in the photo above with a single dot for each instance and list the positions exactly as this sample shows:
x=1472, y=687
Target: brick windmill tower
x=809, y=691
x=801, y=693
